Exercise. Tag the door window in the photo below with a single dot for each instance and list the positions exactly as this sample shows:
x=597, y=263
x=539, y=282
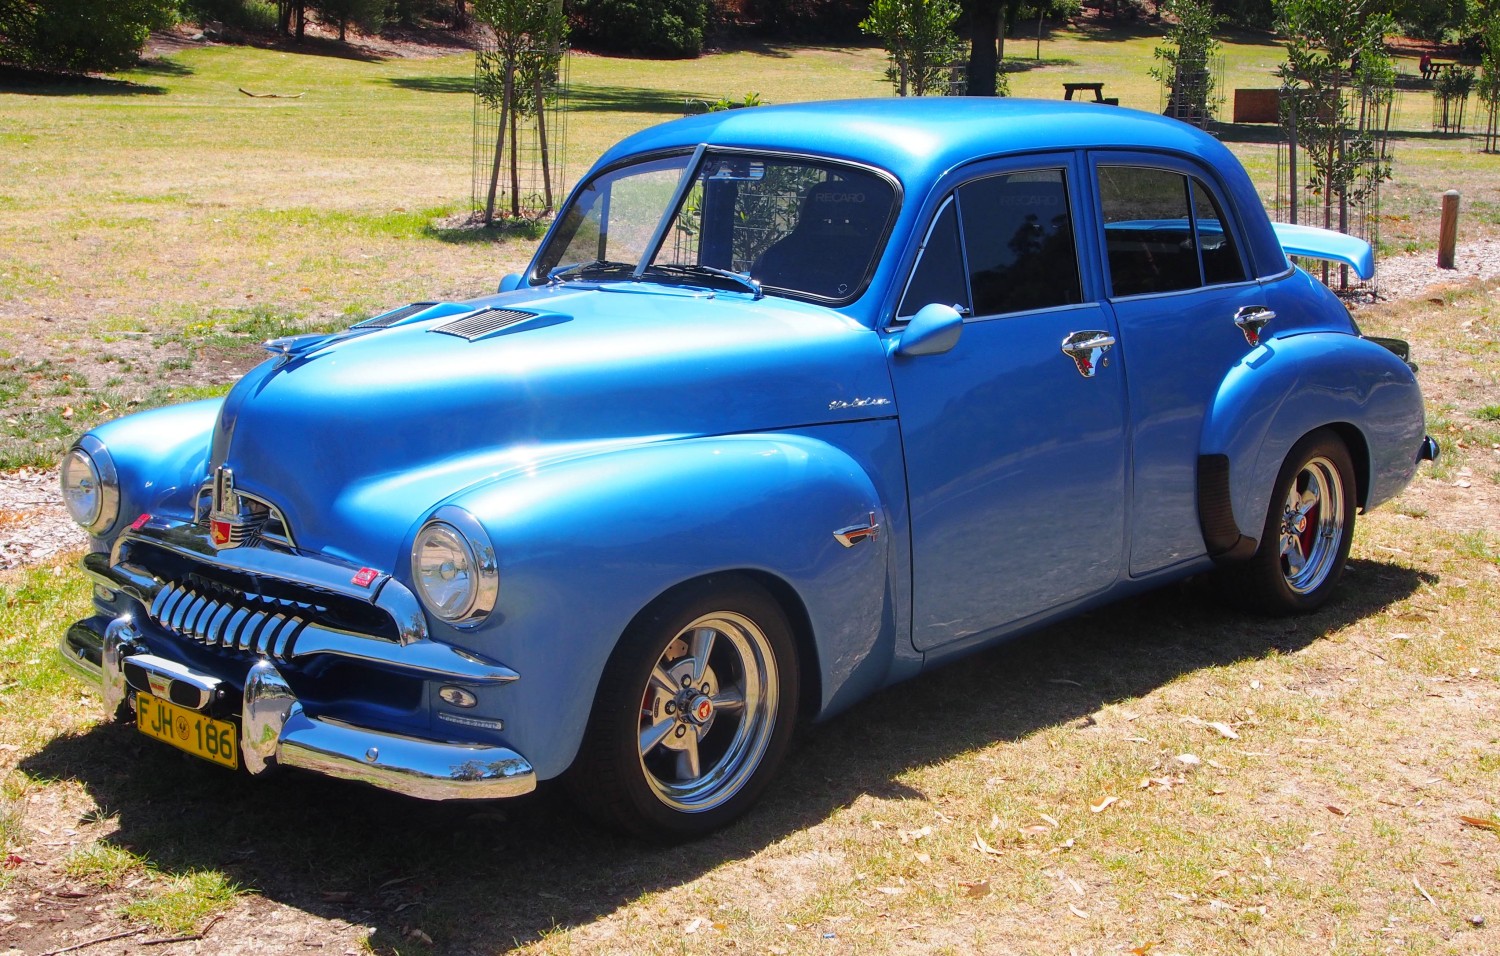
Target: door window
x=1163, y=232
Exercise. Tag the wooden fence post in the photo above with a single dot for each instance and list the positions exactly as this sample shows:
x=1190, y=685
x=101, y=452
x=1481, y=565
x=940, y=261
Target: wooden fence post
x=1448, y=229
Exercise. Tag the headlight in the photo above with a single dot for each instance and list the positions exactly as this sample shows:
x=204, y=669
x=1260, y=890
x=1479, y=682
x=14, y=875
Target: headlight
x=453, y=566
x=89, y=486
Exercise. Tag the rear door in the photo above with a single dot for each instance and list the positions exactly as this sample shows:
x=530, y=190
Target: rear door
x=1178, y=283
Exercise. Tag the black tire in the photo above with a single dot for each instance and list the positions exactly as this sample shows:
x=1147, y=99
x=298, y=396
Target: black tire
x=693, y=715
x=1309, y=527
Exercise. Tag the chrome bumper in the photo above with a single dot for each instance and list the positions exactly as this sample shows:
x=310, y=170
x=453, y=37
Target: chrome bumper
x=275, y=730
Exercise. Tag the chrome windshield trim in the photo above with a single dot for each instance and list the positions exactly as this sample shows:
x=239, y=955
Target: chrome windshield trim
x=689, y=174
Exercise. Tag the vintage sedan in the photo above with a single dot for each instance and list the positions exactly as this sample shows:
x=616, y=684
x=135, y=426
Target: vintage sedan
x=792, y=403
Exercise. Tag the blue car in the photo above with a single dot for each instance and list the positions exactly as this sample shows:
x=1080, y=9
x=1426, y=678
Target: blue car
x=791, y=404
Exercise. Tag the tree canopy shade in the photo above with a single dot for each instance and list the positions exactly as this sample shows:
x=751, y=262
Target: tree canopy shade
x=76, y=36
x=669, y=28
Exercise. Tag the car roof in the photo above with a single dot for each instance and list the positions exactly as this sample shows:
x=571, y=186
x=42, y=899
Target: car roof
x=919, y=138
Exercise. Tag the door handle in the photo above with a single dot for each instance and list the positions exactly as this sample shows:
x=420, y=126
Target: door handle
x=1251, y=319
x=1087, y=349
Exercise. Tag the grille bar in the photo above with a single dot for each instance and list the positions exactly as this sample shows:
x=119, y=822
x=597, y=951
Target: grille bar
x=391, y=318
x=484, y=322
x=230, y=621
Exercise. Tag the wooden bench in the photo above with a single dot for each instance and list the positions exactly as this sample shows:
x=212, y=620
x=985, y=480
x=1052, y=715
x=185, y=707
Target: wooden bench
x=1098, y=89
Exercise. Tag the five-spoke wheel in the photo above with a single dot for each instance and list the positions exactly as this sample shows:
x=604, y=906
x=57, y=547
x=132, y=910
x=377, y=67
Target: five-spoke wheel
x=1309, y=526
x=694, y=713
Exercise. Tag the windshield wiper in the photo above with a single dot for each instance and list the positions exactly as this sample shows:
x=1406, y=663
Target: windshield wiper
x=690, y=272
x=597, y=269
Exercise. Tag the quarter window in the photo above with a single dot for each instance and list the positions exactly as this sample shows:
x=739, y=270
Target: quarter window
x=1163, y=232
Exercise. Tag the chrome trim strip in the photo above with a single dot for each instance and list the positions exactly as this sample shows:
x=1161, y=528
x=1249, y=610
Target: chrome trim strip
x=277, y=730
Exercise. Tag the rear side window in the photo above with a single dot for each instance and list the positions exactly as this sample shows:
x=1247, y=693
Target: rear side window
x=1001, y=244
x=1163, y=232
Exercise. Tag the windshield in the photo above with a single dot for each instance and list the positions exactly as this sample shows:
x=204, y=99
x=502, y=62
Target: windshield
x=796, y=226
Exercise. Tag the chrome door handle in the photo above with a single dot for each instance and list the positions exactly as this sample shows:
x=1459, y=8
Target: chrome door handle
x=1251, y=319
x=1087, y=349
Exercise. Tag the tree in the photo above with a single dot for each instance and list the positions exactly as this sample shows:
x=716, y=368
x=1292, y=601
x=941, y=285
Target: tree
x=668, y=28
x=919, y=36
x=368, y=15
x=1184, y=62
x=77, y=36
x=1335, y=47
x=517, y=79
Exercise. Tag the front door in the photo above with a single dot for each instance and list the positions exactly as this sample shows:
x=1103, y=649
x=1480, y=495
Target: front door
x=1015, y=448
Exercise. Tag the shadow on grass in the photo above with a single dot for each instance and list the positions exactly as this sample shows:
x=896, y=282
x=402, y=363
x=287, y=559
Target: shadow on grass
x=161, y=66
x=1013, y=64
x=36, y=83
x=482, y=876
x=1269, y=133
x=432, y=84
x=630, y=99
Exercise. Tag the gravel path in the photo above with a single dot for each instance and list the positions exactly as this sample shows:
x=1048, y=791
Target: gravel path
x=35, y=528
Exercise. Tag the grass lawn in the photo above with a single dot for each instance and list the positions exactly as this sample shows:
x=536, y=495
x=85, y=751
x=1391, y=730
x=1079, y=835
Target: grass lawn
x=1163, y=775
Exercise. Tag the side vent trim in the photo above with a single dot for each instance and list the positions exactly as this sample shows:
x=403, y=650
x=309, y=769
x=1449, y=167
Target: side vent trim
x=389, y=319
x=487, y=321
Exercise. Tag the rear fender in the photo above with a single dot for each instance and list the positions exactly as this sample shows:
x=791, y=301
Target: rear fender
x=584, y=545
x=1290, y=386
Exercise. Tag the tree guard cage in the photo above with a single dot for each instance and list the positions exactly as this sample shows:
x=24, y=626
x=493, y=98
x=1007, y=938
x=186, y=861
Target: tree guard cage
x=1193, y=92
x=520, y=130
x=1330, y=162
x=1491, y=136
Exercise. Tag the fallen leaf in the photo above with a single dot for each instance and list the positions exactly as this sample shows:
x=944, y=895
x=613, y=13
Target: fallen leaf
x=887, y=890
x=1103, y=805
x=1063, y=680
x=908, y=836
x=692, y=927
x=67, y=412
x=977, y=888
x=924, y=858
x=12, y=861
x=1340, y=811
x=1144, y=948
x=1224, y=730
x=1188, y=760
x=419, y=936
x=1034, y=829
x=1482, y=823
x=1426, y=895
x=984, y=847
x=1077, y=912
x=1051, y=820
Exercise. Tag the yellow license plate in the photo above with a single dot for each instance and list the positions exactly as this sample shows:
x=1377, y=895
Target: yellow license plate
x=198, y=734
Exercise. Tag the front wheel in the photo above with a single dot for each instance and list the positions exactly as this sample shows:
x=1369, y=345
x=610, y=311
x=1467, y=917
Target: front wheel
x=693, y=715
x=1309, y=527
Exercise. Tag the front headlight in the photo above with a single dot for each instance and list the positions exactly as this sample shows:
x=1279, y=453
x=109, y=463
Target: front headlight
x=453, y=566
x=90, y=488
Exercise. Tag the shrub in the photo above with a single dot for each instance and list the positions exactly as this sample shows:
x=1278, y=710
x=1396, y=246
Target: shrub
x=666, y=28
x=78, y=36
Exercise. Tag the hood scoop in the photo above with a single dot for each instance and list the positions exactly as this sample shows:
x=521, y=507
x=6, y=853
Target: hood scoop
x=488, y=321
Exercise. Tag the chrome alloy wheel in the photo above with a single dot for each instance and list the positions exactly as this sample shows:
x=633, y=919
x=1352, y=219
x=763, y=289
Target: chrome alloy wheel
x=1312, y=525
x=708, y=711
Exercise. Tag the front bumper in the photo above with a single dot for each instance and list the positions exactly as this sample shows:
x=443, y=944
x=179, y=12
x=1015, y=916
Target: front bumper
x=277, y=731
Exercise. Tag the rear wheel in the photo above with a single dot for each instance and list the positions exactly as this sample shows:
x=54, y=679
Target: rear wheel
x=1309, y=527
x=694, y=713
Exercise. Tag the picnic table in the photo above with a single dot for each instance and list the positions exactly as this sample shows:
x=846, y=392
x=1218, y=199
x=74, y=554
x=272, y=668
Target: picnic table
x=1098, y=89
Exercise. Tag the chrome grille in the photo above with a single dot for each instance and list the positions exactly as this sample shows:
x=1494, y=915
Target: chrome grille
x=391, y=318
x=483, y=322
x=232, y=620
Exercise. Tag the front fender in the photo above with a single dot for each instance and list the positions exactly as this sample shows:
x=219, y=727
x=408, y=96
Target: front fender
x=160, y=457
x=1290, y=386
x=584, y=545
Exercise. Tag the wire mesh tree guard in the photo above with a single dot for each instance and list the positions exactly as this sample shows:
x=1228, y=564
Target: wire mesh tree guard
x=1193, y=91
x=520, y=130
x=1330, y=161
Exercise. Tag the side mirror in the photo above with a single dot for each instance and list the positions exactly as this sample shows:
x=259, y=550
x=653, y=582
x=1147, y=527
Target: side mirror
x=932, y=331
x=511, y=283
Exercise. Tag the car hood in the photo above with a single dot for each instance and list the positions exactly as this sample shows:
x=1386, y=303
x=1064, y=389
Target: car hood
x=356, y=435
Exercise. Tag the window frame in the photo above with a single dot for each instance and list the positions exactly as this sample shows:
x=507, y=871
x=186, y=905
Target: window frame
x=1182, y=166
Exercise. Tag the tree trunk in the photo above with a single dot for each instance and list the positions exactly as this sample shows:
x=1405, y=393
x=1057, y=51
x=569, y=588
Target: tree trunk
x=301, y=18
x=489, y=204
x=460, y=15
x=983, y=61
x=541, y=136
x=343, y=28
x=515, y=153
